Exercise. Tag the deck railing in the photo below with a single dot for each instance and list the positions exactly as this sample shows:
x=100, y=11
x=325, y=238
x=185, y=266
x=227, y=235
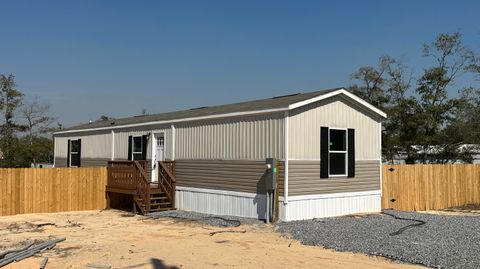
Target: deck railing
x=143, y=186
x=122, y=174
x=166, y=179
x=130, y=175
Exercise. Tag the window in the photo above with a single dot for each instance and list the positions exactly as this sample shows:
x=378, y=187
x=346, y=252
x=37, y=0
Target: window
x=74, y=153
x=337, y=152
x=160, y=142
x=137, y=148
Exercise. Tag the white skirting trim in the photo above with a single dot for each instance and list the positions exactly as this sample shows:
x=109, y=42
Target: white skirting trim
x=221, y=202
x=251, y=205
x=330, y=205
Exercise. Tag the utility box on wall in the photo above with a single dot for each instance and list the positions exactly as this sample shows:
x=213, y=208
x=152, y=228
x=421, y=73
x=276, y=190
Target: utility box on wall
x=271, y=174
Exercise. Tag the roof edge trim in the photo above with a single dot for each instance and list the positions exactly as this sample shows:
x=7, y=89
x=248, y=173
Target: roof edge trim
x=226, y=115
x=243, y=113
x=338, y=92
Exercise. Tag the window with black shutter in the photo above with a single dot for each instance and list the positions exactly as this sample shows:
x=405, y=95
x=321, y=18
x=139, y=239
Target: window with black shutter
x=137, y=147
x=337, y=152
x=74, y=153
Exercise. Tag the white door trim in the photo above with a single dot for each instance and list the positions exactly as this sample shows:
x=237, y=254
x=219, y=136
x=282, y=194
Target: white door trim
x=154, y=153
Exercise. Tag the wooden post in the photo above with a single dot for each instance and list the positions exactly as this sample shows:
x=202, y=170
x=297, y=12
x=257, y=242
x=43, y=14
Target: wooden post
x=107, y=196
x=174, y=169
x=147, y=198
x=174, y=187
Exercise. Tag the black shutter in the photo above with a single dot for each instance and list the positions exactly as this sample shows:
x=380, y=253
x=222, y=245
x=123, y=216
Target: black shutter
x=351, y=153
x=144, y=146
x=68, y=153
x=324, y=152
x=130, y=142
x=79, y=152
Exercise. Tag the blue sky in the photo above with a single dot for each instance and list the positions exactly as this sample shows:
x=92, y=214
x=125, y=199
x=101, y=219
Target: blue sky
x=88, y=58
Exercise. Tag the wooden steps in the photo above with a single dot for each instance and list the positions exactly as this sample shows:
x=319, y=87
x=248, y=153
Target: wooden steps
x=159, y=201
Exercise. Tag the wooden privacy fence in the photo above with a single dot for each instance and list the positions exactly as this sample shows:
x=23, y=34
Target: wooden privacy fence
x=405, y=187
x=36, y=190
x=426, y=187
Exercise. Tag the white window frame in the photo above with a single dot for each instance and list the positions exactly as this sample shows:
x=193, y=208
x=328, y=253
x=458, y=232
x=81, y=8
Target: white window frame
x=338, y=151
x=133, y=147
x=73, y=152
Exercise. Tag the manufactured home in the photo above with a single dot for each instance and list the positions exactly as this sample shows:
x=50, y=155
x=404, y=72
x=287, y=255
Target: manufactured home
x=324, y=146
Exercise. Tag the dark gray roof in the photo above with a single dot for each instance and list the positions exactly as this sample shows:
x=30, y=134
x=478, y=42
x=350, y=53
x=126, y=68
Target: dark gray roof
x=263, y=104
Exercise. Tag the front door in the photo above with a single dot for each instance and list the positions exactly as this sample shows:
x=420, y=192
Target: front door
x=158, y=154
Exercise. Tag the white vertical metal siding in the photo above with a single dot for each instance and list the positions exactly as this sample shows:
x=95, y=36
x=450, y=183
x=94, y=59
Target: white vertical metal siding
x=242, y=138
x=121, y=141
x=94, y=145
x=218, y=202
x=305, y=122
x=323, y=206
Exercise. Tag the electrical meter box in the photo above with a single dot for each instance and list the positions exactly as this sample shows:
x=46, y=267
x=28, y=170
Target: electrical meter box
x=270, y=174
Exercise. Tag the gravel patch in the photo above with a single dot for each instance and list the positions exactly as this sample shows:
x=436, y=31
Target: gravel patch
x=442, y=242
x=207, y=219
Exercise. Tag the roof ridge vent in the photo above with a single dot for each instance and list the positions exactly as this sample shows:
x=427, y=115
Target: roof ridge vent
x=288, y=95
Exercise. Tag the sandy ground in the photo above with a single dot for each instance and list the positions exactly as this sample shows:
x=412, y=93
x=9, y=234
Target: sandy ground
x=120, y=240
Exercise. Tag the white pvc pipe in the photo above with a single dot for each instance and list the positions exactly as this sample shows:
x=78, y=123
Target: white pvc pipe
x=113, y=146
x=380, y=146
x=173, y=142
x=285, y=149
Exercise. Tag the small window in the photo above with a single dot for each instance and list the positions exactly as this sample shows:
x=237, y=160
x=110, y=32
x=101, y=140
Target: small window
x=337, y=153
x=160, y=142
x=338, y=140
x=75, y=153
x=137, y=147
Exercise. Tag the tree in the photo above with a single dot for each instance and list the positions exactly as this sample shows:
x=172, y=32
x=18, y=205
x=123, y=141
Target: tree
x=386, y=87
x=464, y=126
x=37, y=124
x=10, y=100
x=41, y=147
x=424, y=124
x=401, y=126
x=372, y=82
x=451, y=58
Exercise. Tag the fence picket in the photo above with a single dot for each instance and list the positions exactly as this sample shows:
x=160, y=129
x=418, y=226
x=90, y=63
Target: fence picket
x=35, y=190
x=430, y=187
x=413, y=187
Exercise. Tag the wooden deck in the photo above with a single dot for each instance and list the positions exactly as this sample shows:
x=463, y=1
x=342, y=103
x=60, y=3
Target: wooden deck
x=130, y=177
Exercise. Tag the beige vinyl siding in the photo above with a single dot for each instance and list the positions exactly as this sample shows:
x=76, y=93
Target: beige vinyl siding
x=60, y=162
x=85, y=162
x=231, y=175
x=281, y=178
x=94, y=144
x=336, y=112
x=304, y=178
x=242, y=138
x=94, y=162
x=121, y=140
